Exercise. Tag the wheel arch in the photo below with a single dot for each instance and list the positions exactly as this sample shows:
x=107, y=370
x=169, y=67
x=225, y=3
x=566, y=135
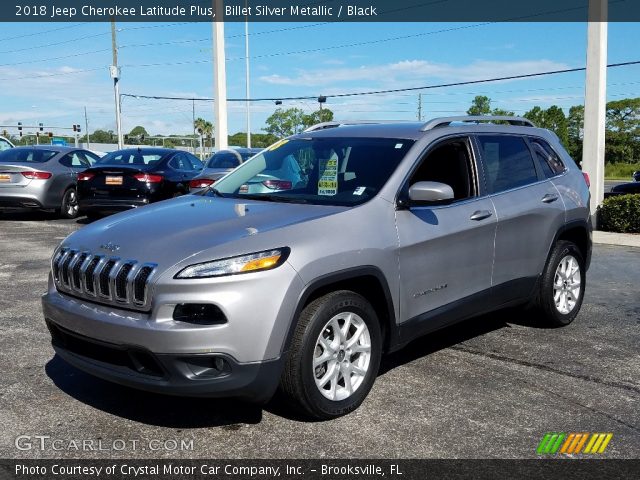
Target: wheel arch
x=368, y=281
x=579, y=233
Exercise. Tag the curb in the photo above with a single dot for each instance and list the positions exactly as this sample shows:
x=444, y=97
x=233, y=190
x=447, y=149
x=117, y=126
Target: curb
x=620, y=239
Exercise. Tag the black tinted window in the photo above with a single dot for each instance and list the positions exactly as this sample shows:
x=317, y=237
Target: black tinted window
x=507, y=161
x=27, y=155
x=547, y=157
x=225, y=160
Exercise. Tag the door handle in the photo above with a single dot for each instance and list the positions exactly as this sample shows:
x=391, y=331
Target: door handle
x=480, y=215
x=549, y=198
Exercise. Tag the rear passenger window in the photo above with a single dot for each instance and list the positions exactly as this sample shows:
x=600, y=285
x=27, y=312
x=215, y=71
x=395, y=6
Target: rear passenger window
x=547, y=158
x=507, y=162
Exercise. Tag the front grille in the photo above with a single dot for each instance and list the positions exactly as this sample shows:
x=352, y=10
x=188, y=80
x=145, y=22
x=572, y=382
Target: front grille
x=109, y=280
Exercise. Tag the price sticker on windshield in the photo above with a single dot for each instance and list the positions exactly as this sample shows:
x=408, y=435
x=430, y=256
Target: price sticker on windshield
x=328, y=182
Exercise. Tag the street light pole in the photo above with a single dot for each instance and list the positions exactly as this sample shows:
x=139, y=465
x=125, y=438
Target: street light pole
x=246, y=57
x=595, y=103
x=220, y=78
x=115, y=75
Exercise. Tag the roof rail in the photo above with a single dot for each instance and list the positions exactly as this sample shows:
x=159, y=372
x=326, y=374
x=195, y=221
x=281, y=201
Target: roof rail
x=446, y=121
x=334, y=124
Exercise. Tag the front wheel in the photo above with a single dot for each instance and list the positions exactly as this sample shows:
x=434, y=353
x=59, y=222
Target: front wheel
x=561, y=288
x=69, y=207
x=334, y=356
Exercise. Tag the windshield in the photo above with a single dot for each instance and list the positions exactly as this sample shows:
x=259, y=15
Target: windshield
x=27, y=155
x=130, y=157
x=322, y=171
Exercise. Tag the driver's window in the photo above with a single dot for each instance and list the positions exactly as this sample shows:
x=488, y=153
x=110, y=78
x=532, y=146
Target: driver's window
x=450, y=163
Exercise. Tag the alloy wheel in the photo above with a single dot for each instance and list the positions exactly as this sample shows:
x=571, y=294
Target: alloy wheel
x=342, y=356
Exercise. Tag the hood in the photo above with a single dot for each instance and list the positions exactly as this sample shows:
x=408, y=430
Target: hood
x=171, y=231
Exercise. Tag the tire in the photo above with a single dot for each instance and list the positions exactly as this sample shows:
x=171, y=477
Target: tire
x=69, y=207
x=558, y=298
x=312, y=359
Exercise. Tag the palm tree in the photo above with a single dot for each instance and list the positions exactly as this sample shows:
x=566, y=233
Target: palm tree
x=205, y=130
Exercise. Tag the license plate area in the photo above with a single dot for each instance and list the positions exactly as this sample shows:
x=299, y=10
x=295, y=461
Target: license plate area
x=113, y=180
x=5, y=178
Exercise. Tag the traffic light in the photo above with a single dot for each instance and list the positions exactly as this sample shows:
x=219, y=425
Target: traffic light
x=41, y=127
x=79, y=129
x=75, y=127
x=50, y=134
x=20, y=128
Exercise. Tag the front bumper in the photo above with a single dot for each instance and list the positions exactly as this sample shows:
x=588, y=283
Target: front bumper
x=205, y=375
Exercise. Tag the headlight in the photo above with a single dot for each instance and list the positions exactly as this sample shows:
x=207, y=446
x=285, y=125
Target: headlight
x=253, y=262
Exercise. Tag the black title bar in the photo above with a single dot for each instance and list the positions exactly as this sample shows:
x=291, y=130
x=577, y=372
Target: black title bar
x=317, y=11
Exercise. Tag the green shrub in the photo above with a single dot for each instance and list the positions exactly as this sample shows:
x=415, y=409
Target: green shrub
x=620, y=214
x=620, y=170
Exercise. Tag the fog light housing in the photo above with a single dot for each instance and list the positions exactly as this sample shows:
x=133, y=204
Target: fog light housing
x=199, y=314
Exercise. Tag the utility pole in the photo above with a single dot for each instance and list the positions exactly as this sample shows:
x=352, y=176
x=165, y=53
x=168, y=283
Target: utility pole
x=246, y=60
x=115, y=74
x=419, y=107
x=595, y=103
x=219, y=78
x=86, y=128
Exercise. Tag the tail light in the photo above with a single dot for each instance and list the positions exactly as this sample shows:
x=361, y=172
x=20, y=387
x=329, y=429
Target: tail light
x=201, y=182
x=84, y=177
x=148, y=177
x=586, y=178
x=278, y=184
x=37, y=175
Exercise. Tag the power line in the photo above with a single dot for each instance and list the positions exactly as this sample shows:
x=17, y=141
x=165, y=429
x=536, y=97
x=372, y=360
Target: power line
x=73, y=72
x=42, y=33
x=53, y=58
x=381, y=92
x=55, y=44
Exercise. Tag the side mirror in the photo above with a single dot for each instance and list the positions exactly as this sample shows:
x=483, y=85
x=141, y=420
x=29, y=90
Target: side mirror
x=430, y=192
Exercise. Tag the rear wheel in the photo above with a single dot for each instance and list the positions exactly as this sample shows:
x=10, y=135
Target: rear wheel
x=561, y=288
x=334, y=356
x=69, y=207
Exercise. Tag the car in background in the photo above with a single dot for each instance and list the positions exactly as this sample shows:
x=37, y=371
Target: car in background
x=135, y=177
x=220, y=164
x=5, y=144
x=42, y=177
x=636, y=176
x=624, y=189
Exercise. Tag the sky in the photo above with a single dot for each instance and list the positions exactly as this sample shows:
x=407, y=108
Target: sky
x=49, y=72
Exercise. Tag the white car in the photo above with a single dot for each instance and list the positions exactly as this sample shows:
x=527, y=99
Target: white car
x=5, y=144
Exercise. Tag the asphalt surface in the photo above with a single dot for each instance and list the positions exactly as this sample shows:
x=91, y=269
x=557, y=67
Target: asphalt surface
x=490, y=387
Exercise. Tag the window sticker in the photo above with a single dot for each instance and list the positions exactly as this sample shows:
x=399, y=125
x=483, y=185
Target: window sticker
x=328, y=182
x=398, y=145
x=359, y=190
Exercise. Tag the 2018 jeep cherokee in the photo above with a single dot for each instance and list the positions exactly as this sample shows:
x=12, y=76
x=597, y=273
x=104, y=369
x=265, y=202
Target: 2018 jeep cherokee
x=395, y=230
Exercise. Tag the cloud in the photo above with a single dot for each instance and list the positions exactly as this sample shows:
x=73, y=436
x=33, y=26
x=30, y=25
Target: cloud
x=411, y=73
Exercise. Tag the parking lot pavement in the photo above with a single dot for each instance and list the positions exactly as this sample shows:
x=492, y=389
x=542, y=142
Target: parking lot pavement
x=488, y=388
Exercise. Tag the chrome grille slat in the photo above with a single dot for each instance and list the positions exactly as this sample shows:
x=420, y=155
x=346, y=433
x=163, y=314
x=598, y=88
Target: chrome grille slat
x=103, y=279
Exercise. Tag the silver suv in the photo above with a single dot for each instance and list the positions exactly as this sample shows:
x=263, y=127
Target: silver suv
x=394, y=231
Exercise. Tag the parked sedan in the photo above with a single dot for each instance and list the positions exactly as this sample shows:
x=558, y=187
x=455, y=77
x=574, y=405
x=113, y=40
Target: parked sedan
x=220, y=164
x=135, y=177
x=42, y=178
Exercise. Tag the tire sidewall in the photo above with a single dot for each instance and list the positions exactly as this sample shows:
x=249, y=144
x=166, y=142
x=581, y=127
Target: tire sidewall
x=561, y=251
x=324, y=407
x=65, y=204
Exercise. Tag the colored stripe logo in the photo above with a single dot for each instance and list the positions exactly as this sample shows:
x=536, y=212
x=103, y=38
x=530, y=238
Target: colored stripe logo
x=573, y=443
